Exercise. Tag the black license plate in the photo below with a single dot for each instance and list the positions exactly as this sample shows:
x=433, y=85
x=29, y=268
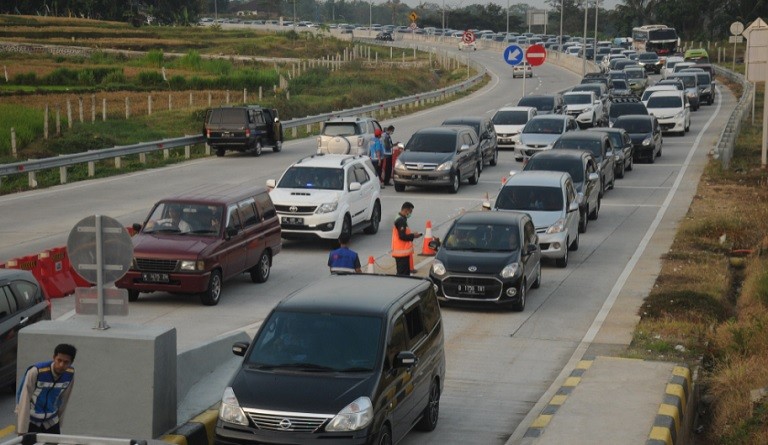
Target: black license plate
x=292, y=220
x=153, y=277
x=471, y=288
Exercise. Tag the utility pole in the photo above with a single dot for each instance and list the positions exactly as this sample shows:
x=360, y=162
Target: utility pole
x=584, y=42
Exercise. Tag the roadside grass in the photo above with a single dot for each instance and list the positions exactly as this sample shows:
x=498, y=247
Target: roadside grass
x=709, y=305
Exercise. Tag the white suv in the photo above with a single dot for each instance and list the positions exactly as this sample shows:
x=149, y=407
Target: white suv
x=347, y=135
x=323, y=196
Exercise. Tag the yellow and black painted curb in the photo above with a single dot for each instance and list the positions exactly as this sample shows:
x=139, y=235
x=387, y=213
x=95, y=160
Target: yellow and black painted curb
x=540, y=423
x=669, y=424
x=198, y=431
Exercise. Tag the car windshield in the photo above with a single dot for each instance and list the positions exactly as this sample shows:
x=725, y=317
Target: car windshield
x=340, y=129
x=620, y=84
x=703, y=78
x=635, y=126
x=313, y=178
x=573, y=166
x=670, y=64
x=616, y=139
x=688, y=80
x=317, y=342
x=181, y=218
x=509, y=117
x=474, y=124
x=483, y=237
x=545, y=126
x=432, y=142
x=577, y=99
x=647, y=57
x=541, y=103
x=530, y=198
x=635, y=74
x=665, y=102
x=591, y=145
x=618, y=109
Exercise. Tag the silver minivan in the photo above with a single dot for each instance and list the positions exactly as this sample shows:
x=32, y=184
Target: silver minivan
x=550, y=198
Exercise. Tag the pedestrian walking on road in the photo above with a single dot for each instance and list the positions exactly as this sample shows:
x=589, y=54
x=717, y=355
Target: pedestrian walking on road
x=44, y=392
x=402, y=240
x=344, y=259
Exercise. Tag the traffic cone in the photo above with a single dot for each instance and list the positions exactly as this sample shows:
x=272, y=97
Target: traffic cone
x=425, y=249
x=410, y=261
x=369, y=269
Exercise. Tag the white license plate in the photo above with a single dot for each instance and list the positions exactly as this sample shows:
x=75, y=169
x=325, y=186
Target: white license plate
x=152, y=277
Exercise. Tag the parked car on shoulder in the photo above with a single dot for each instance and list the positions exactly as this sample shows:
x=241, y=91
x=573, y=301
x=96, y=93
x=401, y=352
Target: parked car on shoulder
x=550, y=198
x=488, y=258
x=645, y=132
x=486, y=133
x=327, y=366
x=243, y=128
x=582, y=167
x=347, y=135
x=439, y=156
x=384, y=37
x=191, y=243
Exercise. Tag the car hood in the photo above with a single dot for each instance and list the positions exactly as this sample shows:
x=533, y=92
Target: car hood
x=288, y=390
x=487, y=263
x=544, y=219
x=170, y=245
x=509, y=129
x=289, y=196
x=638, y=138
x=426, y=157
x=538, y=138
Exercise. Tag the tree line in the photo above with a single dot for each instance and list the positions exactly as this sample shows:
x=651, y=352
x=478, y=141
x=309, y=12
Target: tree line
x=693, y=19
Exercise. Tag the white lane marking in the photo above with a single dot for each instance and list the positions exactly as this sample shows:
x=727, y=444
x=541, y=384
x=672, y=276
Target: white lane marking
x=586, y=341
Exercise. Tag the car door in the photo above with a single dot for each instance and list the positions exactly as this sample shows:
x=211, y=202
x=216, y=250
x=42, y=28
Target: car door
x=232, y=251
x=572, y=218
x=416, y=339
x=10, y=318
x=359, y=199
x=657, y=138
x=609, y=159
x=530, y=259
x=254, y=239
x=467, y=158
x=490, y=131
x=591, y=191
x=396, y=382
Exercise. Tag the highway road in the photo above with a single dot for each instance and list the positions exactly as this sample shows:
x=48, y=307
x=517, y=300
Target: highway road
x=500, y=363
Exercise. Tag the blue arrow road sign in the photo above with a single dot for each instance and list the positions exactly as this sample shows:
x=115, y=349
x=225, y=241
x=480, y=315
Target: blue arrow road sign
x=513, y=55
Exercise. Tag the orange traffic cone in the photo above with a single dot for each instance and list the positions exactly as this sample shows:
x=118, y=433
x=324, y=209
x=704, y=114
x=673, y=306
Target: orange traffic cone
x=369, y=269
x=425, y=249
x=410, y=261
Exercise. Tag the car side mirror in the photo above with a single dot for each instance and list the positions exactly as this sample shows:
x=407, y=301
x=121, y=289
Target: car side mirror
x=405, y=359
x=573, y=206
x=231, y=231
x=434, y=244
x=271, y=183
x=136, y=227
x=354, y=186
x=464, y=147
x=530, y=248
x=239, y=348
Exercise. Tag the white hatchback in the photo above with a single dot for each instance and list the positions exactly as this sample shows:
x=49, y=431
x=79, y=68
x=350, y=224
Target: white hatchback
x=509, y=122
x=672, y=110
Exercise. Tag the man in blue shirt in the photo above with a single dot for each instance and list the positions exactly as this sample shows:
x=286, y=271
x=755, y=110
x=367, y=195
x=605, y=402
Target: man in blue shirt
x=344, y=259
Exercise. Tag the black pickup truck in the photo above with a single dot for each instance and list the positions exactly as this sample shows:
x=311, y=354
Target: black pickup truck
x=243, y=128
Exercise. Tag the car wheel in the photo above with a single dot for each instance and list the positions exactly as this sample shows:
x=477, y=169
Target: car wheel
x=373, y=227
x=385, y=437
x=594, y=121
x=613, y=182
x=431, y=412
x=220, y=152
x=562, y=262
x=575, y=244
x=536, y=284
x=596, y=212
x=278, y=146
x=658, y=153
x=652, y=158
x=495, y=158
x=519, y=305
x=455, y=182
x=399, y=187
x=212, y=295
x=346, y=227
x=620, y=173
x=473, y=180
x=257, y=148
x=631, y=163
x=133, y=295
x=583, y=217
x=260, y=272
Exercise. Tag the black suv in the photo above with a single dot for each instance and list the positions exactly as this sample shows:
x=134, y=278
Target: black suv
x=650, y=62
x=328, y=366
x=544, y=103
x=243, y=128
x=623, y=105
x=439, y=156
x=21, y=303
x=645, y=133
x=486, y=132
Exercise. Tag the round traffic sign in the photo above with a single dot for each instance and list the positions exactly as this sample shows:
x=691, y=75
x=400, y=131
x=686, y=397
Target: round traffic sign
x=536, y=55
x=737, y=28
x=116, y=249
x=468, y=37
x=513, y=55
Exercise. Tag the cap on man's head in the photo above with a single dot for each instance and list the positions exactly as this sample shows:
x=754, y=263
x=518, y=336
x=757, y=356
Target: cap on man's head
x=377, y=132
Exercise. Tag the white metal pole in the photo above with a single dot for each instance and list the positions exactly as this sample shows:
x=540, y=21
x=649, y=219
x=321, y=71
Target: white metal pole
x=764, y=158
x=562, y=2
x=597, y=2
x=507, y=16
x=584, y=42
x=101, y=324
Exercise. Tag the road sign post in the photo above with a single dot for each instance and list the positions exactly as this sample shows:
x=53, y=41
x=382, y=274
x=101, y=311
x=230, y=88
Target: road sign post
x=736, y=29
x=756, y=59
x=514, y=55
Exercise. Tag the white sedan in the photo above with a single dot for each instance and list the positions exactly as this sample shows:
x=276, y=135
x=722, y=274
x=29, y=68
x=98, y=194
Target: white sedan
x=672, y=110
x=522, y=69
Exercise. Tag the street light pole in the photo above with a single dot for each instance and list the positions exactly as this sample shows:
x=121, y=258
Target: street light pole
x=443, y=15
x=562, y=2
x=508, y=24
x=597, y=3
x=584, y=42
x=370, y=17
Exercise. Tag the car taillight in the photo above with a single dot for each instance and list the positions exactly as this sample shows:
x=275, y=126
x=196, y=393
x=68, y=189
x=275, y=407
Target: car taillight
x=247, y=132
x=208, y=132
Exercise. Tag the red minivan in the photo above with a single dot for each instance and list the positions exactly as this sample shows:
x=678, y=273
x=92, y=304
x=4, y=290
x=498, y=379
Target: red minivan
x=191, y=243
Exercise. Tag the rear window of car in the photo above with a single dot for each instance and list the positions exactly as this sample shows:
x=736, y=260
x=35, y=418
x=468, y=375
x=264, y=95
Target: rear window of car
x=621, y=108
x=340, y=129
x=688, y=80
x=573, y=166
x=475, y=125
x=665, y=102
x=540, y=103
x=432, y=142
x=227, y=116
x=530, y=198
x=510, y=117
x=634, y=125
x=577, y=99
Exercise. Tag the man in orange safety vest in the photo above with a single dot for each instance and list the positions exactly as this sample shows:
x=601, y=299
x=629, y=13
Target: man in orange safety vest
x=402, y=240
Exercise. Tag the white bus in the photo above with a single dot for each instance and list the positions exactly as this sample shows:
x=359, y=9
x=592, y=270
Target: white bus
x=660, y=39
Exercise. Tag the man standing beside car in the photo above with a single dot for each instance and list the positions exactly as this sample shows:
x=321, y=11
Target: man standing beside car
x=386, y=155
x=402, y=240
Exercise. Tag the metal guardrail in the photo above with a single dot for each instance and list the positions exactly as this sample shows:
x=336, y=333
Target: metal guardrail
x=63, y=161
x=39, y=438
x=727, y=141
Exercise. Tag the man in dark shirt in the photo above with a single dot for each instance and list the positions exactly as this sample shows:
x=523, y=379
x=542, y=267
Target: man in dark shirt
x=402, y=240
x=344, y=259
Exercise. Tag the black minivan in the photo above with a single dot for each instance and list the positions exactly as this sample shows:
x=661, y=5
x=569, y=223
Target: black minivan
x=349, y=359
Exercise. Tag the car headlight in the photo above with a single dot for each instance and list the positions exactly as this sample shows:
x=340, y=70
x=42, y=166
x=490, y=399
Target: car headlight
x=647, y=141
x=438, y=268
x=444, y=166
x=355, y=416
x=690, y=94
x=557, y=227
x=230, y=410
x=510, y=270
x=327, y=207
x=191, y=265
x=399, y=165
x=680, y=114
